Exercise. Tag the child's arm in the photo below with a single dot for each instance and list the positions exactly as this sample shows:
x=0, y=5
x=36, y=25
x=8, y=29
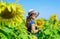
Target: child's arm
x=33, y=28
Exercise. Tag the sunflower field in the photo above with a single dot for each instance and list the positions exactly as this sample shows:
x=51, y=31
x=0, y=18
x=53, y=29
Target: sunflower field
x=49, y=29
x=12, y=24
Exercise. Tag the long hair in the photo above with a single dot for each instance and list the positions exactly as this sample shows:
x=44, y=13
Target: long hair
x=28, y=19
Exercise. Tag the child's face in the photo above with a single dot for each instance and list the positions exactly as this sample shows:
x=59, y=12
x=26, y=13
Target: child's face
x=34, y=15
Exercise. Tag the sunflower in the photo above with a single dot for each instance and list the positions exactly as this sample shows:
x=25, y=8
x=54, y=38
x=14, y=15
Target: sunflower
x=40, y=21
x=54, y=19
x=11, y=14
x=53, y=16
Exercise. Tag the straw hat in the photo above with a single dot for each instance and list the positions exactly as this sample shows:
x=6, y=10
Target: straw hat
x=35, y=12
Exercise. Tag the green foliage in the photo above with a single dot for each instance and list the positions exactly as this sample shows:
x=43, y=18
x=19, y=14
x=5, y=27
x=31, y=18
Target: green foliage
x=18, y=32
x=12, y=24
x=49, y=32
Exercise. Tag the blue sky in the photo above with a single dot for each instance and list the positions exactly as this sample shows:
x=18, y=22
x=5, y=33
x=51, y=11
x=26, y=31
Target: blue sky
x=45, y=7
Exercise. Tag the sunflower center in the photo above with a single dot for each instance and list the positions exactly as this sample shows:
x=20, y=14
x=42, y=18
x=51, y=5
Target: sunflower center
x=6, y=14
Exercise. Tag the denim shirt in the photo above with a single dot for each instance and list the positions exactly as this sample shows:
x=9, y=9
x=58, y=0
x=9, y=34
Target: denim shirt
x=30, y=24
x=29, y=27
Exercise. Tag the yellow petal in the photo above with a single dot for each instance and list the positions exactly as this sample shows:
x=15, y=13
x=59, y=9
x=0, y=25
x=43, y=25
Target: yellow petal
x=9, y=8
x=14, y=7
x=0, y=10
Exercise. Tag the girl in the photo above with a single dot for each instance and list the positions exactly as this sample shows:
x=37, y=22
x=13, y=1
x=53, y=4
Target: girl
x=31, y=26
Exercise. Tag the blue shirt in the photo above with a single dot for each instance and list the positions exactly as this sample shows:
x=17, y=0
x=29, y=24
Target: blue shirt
x=30, y=24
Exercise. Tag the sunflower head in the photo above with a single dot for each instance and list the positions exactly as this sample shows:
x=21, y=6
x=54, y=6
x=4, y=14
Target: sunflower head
x=40, y=21
x=10, y=10
x=11, y=13
x=53, y=16
x=54, y=19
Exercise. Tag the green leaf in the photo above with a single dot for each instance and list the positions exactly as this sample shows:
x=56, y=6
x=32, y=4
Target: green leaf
x=47, y=32
x=1, y=31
